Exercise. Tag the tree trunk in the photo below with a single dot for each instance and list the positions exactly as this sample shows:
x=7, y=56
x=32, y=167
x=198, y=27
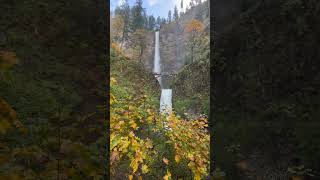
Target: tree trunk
x=123, y=34
x=192, y=54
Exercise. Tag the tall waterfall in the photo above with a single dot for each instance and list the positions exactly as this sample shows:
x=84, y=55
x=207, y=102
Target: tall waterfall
x=166, y=94
x=157, y=66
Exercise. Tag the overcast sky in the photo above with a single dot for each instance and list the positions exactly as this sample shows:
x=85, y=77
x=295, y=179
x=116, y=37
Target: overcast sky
x=154, y=7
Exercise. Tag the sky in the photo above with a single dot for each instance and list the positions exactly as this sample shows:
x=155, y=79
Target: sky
x=155, y=7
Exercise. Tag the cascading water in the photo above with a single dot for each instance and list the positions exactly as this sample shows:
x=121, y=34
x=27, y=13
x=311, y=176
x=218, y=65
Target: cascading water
x=166, y=94
x=165, y=101
x=157, y=68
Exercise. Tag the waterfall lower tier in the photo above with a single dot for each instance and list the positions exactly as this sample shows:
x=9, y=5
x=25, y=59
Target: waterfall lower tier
x=165, y=101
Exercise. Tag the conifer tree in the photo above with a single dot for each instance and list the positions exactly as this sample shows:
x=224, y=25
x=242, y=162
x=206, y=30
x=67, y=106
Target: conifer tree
x=124, y=12
x=163, y=21
x=137, y=16
x=158, y=22
x=169, y=16
x=175, y=13
x=151, y=22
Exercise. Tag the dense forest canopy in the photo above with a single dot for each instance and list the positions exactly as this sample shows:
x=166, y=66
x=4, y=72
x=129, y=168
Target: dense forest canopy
x=266, y=89
x=52, y=66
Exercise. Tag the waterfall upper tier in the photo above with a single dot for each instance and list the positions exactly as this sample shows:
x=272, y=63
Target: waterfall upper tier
x=157, y=67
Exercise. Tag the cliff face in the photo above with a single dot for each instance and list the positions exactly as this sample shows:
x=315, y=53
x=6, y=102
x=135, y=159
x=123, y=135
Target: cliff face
x=148, y=54
x=173, y=39
x=171, y=47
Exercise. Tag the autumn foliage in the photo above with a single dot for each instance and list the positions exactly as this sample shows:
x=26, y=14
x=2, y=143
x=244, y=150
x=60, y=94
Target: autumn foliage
x=147, y=145
x=194, y=30
x=194, y=26
x=117, y=24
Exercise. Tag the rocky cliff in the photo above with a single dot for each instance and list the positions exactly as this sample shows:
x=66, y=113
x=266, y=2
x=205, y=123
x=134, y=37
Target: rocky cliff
x=173, y=40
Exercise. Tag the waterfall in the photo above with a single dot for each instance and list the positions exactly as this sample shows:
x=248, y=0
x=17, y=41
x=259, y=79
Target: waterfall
x=165, y=100
x=157, y=67
x=166, y=94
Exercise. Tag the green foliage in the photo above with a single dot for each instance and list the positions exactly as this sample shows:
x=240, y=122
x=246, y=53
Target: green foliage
x=137, y=16
x=151, y=22
x=300, y=170
x=264, y=83
x=124, y=12
x=54, y=89
x=175, y=13
x=191, y=90
x=141, y=146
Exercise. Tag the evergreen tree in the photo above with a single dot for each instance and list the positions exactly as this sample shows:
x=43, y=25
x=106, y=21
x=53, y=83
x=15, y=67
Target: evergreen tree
x=175, y=13
x=146, y=19
x=158, y=22
x=163, y=21
x=124, y=12
x=137, y=16
x=151, y=22
x=169, y=16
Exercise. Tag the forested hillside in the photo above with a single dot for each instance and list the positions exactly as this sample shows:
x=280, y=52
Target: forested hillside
x=266, y=89
x=147, y=143
x=141, y=144
x=51, y=93
x=186, y=49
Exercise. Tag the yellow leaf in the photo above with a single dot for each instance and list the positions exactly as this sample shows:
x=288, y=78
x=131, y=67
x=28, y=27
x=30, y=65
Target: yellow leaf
x=145, y=169
x=130, y=177
x=167, y=176
x=191, y=157
x=134, y=165
x=197, y=176
x=131, y=134
x=133, y=125
x=165, y=160
x=177, y=158
x=113, y=80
